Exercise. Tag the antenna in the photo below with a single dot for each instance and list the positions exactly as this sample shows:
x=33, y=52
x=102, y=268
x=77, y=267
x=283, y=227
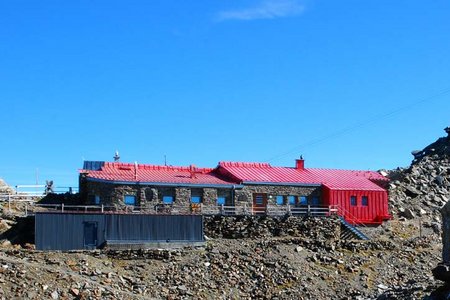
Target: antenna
x=116, y=156
x=165, y=160
x=135, y=170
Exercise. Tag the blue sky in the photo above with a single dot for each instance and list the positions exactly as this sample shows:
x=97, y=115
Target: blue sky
x=348, y=84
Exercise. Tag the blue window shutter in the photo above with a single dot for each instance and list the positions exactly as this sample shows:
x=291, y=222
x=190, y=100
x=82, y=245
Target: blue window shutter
x=167, y=199
x=280, y=200
x=291, y=200
x=221, y=201
x=195, y=199
x=130, y=200
x=303, y=200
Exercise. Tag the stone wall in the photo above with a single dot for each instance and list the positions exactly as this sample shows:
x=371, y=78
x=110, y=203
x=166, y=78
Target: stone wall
x=149, y=196
x=246, y=194
x=182, y=196
x=263, y=226
x=209, y=196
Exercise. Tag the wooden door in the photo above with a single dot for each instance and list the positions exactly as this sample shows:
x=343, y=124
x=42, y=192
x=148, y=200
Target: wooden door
x=259, y=203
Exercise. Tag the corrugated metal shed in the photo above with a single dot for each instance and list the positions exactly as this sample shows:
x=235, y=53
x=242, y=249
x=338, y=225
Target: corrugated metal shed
x=74, y=231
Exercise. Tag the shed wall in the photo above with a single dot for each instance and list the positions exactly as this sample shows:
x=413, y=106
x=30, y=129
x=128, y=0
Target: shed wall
x=65, y=231
x=160, y=228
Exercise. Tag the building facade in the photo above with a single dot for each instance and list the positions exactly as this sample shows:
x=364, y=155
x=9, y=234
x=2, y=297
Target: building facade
x=258, y=187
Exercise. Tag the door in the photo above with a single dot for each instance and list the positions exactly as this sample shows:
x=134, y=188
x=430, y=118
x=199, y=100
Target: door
x=259, y=203
x=90, y=235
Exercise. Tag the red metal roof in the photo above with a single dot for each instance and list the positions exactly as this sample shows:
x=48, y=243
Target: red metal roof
x=244, y=172
x=334, y=179
x=128, y=172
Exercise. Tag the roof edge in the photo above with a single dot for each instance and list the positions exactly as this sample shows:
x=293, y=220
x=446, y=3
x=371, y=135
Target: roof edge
x=230, y=185
x=282, y=183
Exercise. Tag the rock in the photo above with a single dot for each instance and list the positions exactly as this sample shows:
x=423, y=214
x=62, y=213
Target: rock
x=412, y=191
x=75, y=291
x=54, y=295
x=408, y=213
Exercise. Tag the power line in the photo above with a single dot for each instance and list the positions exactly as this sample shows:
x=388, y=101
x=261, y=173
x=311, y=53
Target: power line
x=361, y=124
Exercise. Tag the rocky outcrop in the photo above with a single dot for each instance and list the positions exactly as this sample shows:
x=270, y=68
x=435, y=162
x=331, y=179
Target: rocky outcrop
x=423, y=188
x=5, y=189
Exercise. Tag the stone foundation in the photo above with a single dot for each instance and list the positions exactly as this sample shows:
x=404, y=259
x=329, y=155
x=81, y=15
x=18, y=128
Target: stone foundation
x=261, y=226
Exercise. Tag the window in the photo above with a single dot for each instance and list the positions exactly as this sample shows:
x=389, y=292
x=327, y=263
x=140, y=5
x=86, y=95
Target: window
x=196, y=196
x=353, y=200
x=291, y=200
x=93, y=199
x=196, y=199
x=167, y=199
x=280, y=200
x=167, y=195
x=130, y=200
x=224, y=197
x=259, y=200
x=364, y=201
x=221, y=200
x=303, y=200
x=315, y=201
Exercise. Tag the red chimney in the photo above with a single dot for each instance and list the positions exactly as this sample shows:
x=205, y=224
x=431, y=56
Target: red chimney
x=300, y=164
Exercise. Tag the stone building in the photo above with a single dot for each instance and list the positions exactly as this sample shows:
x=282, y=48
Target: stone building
x=360, y=195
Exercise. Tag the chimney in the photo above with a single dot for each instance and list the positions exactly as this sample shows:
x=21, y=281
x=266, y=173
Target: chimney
x=300, y=163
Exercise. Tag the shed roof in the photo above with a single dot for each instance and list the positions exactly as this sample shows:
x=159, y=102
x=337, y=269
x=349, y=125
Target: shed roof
x=144, y=173
x=260, y=173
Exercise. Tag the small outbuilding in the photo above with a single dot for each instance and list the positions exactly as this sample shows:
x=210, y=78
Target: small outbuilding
x=76, y=231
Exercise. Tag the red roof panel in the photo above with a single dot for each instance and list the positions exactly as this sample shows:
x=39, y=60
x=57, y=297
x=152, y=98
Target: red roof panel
x=334, y=179
x=126, y=172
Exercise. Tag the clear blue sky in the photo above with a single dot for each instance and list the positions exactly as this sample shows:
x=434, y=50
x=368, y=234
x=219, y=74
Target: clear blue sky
x=205, y=81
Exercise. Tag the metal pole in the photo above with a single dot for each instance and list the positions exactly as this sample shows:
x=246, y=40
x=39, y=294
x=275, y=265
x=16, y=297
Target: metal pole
x=62, y=207
x=420, y=227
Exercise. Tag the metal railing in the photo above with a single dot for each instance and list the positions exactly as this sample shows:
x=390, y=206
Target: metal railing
x=35, y=192
x=198, y=209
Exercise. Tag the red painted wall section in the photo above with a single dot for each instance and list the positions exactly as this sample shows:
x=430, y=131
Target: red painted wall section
x=375, y=212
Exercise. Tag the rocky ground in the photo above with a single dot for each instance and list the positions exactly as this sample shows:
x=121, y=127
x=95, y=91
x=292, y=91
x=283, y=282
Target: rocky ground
x=283, y=268
x=266, y=258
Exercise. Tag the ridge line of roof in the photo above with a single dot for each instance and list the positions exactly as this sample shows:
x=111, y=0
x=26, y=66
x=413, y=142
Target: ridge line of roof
x=191, y=168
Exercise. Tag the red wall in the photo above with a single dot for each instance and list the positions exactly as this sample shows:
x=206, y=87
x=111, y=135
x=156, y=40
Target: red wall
x=374, y=213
